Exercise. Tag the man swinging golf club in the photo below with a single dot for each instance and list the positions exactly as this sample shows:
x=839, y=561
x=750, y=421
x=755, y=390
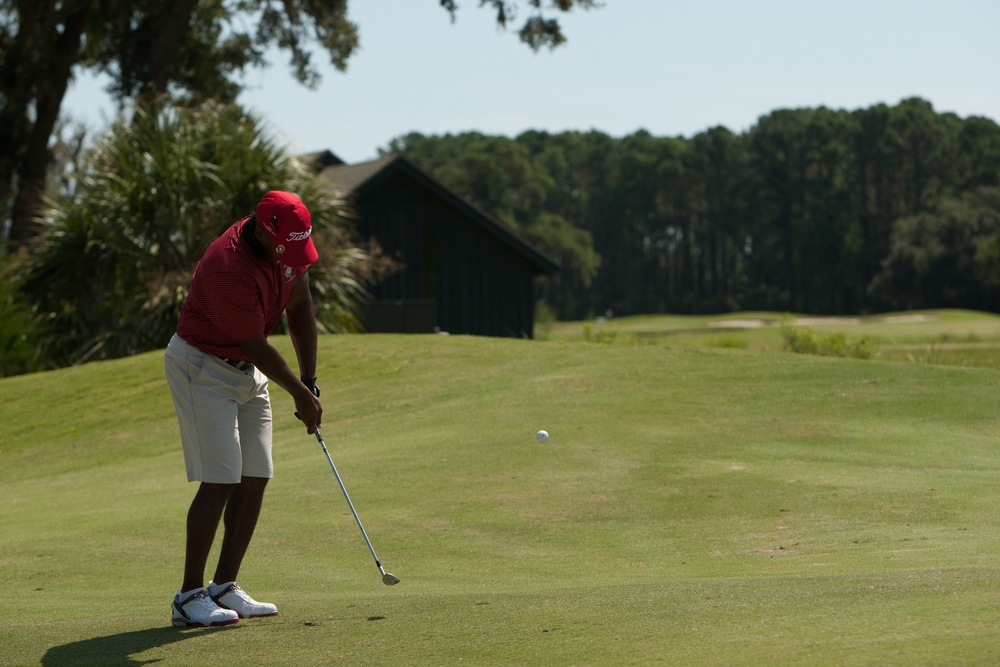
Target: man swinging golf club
x=218, y=364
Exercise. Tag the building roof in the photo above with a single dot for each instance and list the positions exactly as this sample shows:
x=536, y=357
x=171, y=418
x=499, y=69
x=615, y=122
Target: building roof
x=364, y=177
x=316, y=161
x=349, y=178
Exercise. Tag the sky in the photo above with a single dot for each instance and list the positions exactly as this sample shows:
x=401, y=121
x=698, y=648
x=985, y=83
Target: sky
x=670, y=67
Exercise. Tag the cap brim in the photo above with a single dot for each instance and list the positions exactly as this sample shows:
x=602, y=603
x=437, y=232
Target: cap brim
x=301, y=255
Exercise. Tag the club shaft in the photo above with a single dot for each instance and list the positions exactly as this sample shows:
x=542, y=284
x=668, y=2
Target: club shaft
x=349, y=503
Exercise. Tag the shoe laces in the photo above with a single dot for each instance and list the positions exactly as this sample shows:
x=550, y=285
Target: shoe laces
x=201, y=599
x=242, y=594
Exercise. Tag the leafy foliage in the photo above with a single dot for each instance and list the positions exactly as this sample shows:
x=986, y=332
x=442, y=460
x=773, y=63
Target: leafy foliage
x=114, y=264
x=537, y=31
x=199, y=49
x=947, y=256
x=20, y=342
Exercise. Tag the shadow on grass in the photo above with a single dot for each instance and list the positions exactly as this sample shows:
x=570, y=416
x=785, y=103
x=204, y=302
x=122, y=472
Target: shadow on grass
x=116, y=650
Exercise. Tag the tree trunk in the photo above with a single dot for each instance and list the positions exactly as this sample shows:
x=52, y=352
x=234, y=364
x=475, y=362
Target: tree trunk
x=163, y=54
x=48, y=46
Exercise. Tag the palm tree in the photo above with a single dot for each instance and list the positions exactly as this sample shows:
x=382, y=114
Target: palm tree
x=20, y=348
x=113, y=267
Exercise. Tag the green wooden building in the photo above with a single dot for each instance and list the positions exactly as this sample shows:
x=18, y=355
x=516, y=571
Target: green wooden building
x=462, y=271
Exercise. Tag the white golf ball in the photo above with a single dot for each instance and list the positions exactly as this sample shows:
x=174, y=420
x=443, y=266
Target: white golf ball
x=542, y=436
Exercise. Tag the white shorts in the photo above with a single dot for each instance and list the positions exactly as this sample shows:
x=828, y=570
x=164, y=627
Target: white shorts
x=224, y=415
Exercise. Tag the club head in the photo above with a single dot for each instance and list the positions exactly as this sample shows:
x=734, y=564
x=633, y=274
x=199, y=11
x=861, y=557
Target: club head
x=390, y=579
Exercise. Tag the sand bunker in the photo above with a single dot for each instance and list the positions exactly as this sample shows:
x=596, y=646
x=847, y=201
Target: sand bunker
x=816, y=321
x=739, y=324
x=820, y=321
x=897, y=319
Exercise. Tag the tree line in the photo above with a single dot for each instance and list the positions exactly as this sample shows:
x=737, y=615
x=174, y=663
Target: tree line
x=811, y=210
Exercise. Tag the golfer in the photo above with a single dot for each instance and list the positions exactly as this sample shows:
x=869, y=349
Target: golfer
x=218, y=364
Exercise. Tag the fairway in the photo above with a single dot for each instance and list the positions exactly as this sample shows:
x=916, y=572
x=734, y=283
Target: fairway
x=694, y=505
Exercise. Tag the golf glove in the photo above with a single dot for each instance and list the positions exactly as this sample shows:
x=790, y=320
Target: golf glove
x=311, y=383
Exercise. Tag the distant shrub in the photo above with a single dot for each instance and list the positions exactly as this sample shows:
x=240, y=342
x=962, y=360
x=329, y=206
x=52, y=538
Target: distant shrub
x=545, y=319
x=804, y=340
x=606, y=333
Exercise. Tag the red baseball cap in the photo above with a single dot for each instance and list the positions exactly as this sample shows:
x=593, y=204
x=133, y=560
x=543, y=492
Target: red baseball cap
x=287, y=221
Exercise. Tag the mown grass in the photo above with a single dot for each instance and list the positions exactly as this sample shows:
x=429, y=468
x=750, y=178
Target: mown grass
x=696, y=505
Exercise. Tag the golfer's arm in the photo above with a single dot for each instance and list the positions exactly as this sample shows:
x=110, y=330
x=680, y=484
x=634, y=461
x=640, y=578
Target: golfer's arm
x=302, y=325
x=269, y=361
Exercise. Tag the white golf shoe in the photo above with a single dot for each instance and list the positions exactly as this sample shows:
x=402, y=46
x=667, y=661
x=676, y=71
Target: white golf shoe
x=196, y=609
x=231, y=596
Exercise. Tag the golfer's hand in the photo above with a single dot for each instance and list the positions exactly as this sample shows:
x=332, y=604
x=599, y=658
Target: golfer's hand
x=309, y=410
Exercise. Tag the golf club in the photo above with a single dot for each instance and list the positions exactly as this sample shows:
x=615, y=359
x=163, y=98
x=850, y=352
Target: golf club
x=387, y=578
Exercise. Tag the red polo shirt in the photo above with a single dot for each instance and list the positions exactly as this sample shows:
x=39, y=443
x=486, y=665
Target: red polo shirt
x=234, y=295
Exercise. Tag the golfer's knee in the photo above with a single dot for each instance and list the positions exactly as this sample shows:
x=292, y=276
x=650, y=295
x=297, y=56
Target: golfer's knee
x=213, y=493
x=254, y=483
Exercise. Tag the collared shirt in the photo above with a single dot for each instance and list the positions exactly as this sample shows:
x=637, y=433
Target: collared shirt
x=234, y=295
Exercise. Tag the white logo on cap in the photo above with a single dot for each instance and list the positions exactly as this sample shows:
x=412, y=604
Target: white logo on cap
x=300, y=236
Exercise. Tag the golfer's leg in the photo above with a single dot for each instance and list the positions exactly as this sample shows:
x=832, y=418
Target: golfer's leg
x=202, y=522
x=241, y=515
x=254, y=420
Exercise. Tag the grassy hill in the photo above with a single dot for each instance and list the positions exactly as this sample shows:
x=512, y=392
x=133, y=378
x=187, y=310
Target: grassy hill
x=697, y=504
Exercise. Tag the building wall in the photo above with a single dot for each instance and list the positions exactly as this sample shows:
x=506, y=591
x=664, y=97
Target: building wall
x=478, y=284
